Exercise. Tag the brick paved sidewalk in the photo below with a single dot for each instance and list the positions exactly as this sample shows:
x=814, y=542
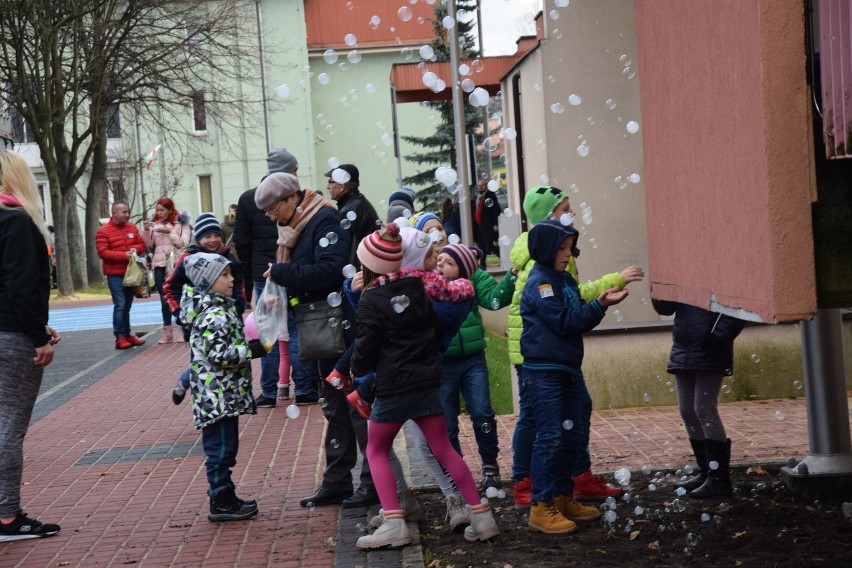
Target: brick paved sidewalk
x=122, y=470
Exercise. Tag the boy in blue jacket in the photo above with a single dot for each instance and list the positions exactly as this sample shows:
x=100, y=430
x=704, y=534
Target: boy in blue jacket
x=554, y=319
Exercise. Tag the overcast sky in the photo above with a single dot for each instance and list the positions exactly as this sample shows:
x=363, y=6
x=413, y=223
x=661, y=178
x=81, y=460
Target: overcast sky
x=503, y=21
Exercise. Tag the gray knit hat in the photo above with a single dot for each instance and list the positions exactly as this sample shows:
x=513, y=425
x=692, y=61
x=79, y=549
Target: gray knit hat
x=279, y=160
x=203, y=268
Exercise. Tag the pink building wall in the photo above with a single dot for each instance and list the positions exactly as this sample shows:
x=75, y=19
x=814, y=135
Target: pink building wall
x=727, y=148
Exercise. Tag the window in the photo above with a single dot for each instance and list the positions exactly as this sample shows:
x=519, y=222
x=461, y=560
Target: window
x=205, y=193
x=193, y=42
x=21, y=129
x=113, y=121
x=199, y=112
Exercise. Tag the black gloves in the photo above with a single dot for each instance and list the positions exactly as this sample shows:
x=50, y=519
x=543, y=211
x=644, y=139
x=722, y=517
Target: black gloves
x=256, y=348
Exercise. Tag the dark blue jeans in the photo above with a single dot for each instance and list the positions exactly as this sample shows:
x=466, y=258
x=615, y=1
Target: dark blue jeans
x=524, y=435
x=555, y=398
x=122, y=299
x=469, y=375
x=269, y=362
x=305, y=373
x=159, y=278
x=221, y=442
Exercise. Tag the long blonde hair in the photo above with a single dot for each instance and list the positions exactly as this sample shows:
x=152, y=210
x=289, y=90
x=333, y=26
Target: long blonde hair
x=17, y=179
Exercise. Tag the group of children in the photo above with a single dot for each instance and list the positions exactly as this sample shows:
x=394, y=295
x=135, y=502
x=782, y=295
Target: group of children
x=412, y=298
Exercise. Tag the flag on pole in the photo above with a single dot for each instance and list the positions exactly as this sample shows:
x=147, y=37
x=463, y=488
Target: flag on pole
x=150, y=158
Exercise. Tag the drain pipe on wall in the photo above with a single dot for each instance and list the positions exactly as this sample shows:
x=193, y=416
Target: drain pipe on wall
x=262, y=56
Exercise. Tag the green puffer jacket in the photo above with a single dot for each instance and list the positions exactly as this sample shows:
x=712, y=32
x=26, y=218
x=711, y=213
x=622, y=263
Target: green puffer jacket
x=491, y=295
x=520, y=258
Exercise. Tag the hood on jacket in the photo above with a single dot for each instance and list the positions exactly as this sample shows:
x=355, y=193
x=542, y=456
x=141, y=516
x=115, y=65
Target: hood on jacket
x=545, y=239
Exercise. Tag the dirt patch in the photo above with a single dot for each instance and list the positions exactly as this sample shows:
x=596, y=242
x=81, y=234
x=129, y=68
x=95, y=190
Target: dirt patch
x=764, y=524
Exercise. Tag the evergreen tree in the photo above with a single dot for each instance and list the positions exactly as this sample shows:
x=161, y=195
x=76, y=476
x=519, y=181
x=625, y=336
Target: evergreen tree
x=439, y=149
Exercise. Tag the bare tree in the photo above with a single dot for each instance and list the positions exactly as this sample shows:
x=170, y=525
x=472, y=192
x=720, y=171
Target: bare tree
x=66, y=64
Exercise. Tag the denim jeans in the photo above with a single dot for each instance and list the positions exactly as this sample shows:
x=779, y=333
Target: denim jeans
x=122, y=299
x=221, y=441
x=524, y=435
x=556, y=397
x=159, y=278
x=305, y=373
x=269, y=362
x=469, y=375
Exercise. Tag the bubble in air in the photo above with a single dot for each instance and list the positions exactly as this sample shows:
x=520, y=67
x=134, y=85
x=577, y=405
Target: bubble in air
x=448, y=22
x=334, y=299
x=331, y=237
x=349, y=271
x=632, y=127
x=340, y=176
x=404, y=13
x=616, y=315
x=350, y=39
x=779, y=415
x=293, y=411
x=566, y=219
x=755, y=358
x=610, y=104
x=453, y=239
x=400, y=303
x=567, y=424
x=330, y=56
x=574, y=99
x=354, y=56
x=797, y=385
x=323, y=79
x=557, y=108
x=426, y=52
x=282, y=91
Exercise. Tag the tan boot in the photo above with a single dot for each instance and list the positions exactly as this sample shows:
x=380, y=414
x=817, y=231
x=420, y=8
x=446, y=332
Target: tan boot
x=574, y=510
x=482, y=524
x=393, y=532
x=166, y=337
x=546, y=518
x=408, y=503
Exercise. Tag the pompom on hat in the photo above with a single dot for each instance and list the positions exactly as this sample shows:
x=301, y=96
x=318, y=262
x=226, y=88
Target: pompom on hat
x=381, y=251
x=275, y=188
x=467, y=258
x=540, y=202
x=205, y=224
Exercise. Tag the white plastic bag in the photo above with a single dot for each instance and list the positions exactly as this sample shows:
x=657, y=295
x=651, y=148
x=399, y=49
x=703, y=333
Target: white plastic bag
x=270, y=314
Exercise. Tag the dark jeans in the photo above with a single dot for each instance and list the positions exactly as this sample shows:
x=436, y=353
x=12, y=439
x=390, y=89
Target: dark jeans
x=469, y=375
x=269, y=363
x=556, y=397
x=221, y=441
x=346, y=434
x=159, y=279
x=524, y=435
x=122, y=299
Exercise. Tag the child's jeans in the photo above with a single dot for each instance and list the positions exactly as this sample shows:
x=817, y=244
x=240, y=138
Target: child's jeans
x=556, y=397
x=184, y=378
x=524, y=435
x=221, y=441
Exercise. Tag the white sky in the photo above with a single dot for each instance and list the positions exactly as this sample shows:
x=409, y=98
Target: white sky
x=503, y=21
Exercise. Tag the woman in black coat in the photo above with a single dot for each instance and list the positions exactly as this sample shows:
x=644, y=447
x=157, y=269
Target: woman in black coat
x=702, y=354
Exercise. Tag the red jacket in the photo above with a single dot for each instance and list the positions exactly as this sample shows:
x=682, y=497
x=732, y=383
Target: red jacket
x=113, y=241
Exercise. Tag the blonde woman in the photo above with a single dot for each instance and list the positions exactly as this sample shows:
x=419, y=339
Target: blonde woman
x=26, y=341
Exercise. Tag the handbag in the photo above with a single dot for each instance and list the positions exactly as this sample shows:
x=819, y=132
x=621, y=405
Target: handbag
x=134, y=274
x=320, y=329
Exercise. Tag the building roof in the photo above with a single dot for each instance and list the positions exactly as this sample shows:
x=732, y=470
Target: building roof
x=407, y=78
x=329, y=21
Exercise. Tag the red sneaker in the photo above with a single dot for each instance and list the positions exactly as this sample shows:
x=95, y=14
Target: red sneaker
x=523, y=490
x=359, y=404
x=135, y=341
x=123, y=343
x=590, y=486
x=339, y=381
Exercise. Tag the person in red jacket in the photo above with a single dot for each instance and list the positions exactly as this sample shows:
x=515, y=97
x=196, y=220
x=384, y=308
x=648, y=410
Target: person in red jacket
x=116, y=242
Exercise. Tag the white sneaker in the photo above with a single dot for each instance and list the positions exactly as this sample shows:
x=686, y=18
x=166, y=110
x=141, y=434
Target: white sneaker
x=482, y=526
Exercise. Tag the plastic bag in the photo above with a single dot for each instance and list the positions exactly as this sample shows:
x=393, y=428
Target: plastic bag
x=270, y=314
x=134, y=274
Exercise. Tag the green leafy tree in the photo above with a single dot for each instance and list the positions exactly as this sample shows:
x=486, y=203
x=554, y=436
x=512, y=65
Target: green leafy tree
x=439, y=149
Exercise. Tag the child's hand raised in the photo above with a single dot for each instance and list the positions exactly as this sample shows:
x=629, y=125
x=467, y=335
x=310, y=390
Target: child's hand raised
x=357, y=282
x=612, y=296
x=632, y=274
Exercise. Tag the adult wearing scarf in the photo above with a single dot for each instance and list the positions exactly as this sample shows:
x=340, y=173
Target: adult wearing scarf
x=310, y=266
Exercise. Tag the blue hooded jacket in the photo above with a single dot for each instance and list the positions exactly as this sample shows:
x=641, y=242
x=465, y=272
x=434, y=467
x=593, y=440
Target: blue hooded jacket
x=552, y=309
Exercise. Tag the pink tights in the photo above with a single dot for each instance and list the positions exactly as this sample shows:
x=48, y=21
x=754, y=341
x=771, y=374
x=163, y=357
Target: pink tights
x=283, y=363
x=379, y=441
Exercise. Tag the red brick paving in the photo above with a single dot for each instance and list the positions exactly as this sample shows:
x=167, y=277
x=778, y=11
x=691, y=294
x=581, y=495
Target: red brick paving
x=153, y=512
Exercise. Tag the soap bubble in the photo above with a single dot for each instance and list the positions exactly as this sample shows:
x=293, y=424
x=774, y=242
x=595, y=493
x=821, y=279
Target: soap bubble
x=330, y=56
x=486, y=427
x=404, y=13
x=448, y=22
x=453, y=239
x=507, y=212
x=375, y=21
x=797, y=385
x=583, y=150
x=491, y=492
x=468, y=85
x=351, y=215
x=387, y=139
x=334, y=299
x=634, y=178
x=340, y=176
x=400, y=303
x=323, y=242
x=354, y=56
x=713, y=465
x=557, y=108
x=323, y=79
x=504, y=241
x=370, y=88
x=282, y=91
x=510, y=133
x=426, y=51
x=331, y=238
x=566, y=219
x=350, y=39
x=561, y=3
x=610, y=104
x=622, y=476
x=493, y=185
x=567, y=424
x=632, y=127
x=430, y=79
x=779, y=415
x=755, y=357
x=293, y=411
x=616, y=315
x=349, y=271
x=574, y=99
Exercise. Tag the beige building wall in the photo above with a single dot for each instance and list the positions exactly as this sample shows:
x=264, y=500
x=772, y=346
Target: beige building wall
x=590, y=53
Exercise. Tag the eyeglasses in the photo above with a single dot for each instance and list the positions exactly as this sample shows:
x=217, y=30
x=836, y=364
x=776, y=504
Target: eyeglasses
x=269, y=212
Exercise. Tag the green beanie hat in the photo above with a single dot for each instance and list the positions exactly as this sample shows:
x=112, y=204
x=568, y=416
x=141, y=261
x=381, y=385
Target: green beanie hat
x=540, y=202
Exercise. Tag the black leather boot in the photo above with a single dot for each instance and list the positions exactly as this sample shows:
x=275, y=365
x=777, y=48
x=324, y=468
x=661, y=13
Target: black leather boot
x=718, y=482
x=226, y=506
x=699, y=450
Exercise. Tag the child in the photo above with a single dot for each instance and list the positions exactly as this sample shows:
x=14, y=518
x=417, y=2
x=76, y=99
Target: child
x=208, y=237
x=702, y=353
x=398, y=338
x=555, y=317
x=545, y=202
x=220, y=376
x=464, y=368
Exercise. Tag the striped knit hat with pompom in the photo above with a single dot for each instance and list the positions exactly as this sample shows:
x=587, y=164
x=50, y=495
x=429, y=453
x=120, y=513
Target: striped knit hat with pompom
x=381, y=251
x=467, y=258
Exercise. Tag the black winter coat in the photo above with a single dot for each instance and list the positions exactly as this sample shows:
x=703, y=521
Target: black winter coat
x=364, y=223
x=701, y=340
x=314, y=270
x=401, y=348
x=255, y=238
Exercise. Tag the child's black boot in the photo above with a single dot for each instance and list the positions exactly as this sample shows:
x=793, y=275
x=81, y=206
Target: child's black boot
x=226, y=506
